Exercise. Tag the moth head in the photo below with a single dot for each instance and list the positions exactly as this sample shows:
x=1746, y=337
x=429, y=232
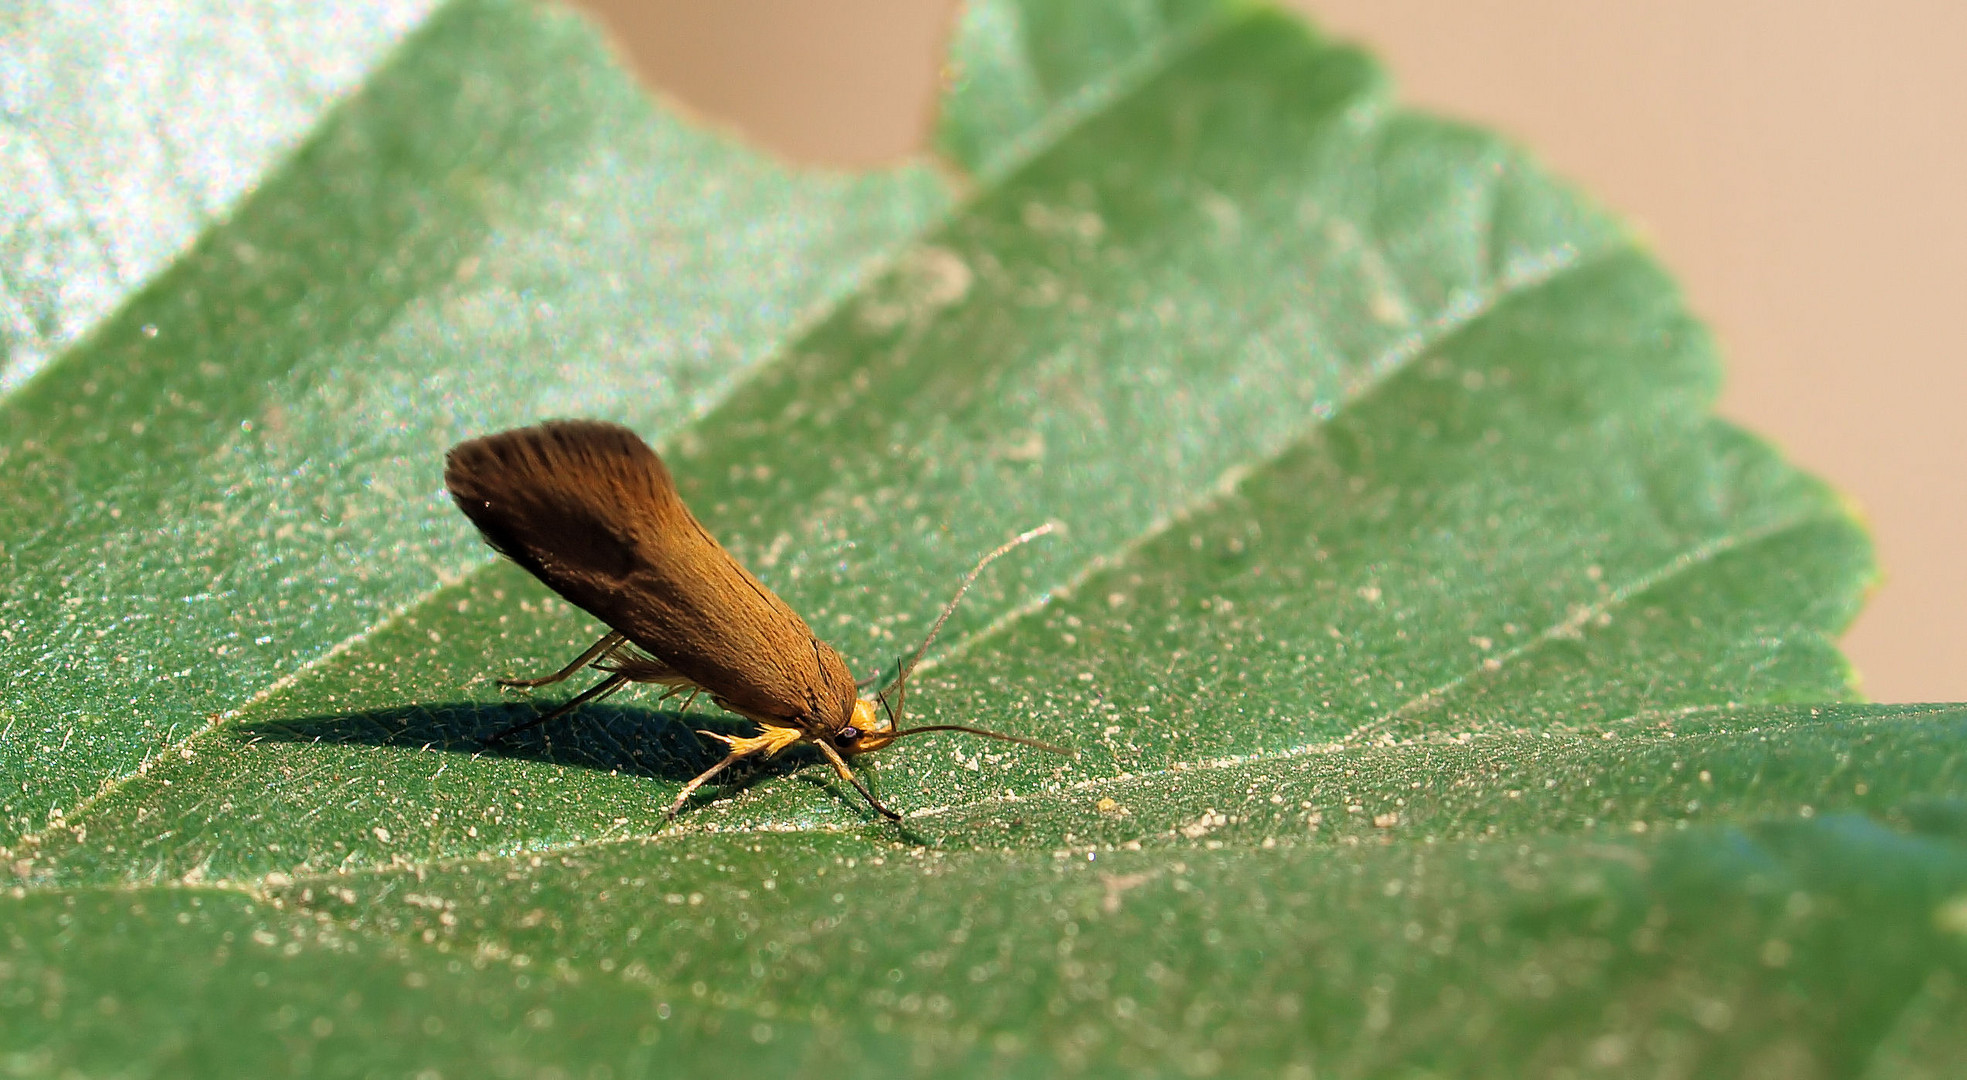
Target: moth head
x=866, y=729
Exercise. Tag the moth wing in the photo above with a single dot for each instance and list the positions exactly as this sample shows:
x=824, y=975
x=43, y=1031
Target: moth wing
x=570, y=501
x=589, y=509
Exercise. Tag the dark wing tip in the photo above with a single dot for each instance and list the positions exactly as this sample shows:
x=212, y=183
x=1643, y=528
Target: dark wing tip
x=478, y=470
x=563, y=497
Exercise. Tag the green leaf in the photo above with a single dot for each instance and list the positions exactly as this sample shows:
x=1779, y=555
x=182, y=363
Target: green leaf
x=1717, y=895
x=1452, y=693
x=233, y=477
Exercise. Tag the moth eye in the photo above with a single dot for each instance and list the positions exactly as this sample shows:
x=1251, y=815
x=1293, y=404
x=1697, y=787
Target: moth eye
x=848, y=734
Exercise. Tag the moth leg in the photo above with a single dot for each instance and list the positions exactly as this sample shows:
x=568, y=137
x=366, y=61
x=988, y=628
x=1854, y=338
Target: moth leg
x=593, y=693
x=772, y=740
x=847, y=774
x=703, y=778
x=608, y=643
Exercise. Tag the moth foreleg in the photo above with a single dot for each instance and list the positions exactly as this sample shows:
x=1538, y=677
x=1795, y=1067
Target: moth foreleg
x=847, y=774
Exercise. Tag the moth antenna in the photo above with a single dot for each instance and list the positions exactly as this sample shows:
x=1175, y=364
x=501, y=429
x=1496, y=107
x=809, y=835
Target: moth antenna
x=998, y=735
x=902, y=671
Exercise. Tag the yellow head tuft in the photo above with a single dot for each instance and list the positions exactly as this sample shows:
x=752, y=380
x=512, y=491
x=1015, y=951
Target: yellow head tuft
x=876, y=731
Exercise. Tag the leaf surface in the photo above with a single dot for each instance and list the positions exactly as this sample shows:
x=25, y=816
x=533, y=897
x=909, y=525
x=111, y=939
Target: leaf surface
x=1450, y=690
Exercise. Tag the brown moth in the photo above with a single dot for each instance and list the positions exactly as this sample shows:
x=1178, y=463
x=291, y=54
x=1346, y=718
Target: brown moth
x=588, y=508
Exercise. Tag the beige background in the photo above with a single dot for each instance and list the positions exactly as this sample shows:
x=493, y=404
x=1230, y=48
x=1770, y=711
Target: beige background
x=1801, y=165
